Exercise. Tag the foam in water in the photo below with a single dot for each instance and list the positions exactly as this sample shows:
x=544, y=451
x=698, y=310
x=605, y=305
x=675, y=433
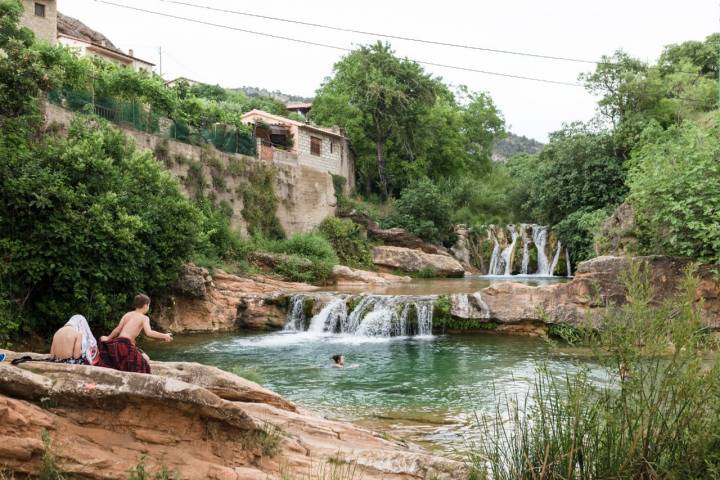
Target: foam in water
x=374, y=316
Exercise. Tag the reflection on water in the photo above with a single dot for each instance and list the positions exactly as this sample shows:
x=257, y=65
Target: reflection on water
x=444, y=286
x=421, y=388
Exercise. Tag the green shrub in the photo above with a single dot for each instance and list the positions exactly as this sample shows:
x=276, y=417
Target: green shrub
x=675, y=191
x=349, y=240
x=426, y=272
x=566, y=333
x=310, y=257
x=425, y=211
x=86, y=222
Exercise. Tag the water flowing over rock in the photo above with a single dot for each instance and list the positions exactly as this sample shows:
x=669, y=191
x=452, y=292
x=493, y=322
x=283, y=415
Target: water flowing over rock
x=201, y=302
x=195, y=420
x=365, y=315
x=414, y=261
x=523, y=249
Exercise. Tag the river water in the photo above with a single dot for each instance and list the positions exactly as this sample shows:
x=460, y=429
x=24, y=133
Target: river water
x=426, y=389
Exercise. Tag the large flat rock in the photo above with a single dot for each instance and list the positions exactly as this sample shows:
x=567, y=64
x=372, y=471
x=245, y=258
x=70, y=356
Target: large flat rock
x=188, y=418
x=413, y=261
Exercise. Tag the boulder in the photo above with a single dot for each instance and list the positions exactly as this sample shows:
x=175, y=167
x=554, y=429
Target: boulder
x=194, y=421
x=597, y=283
x=201, y=302
x=397, y=237
x=461, y=249
x=412, y=261
x=617, y=233
x=343, y=275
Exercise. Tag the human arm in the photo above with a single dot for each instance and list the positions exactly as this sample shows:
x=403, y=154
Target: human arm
x=153, y=334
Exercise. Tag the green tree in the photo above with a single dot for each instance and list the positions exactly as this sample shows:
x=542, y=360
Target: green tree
x=674, y=185
x=382, y=92
x=423, y=210
x=86, y=222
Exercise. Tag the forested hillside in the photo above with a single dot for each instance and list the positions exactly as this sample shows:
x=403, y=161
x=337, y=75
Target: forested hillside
x=513, y=145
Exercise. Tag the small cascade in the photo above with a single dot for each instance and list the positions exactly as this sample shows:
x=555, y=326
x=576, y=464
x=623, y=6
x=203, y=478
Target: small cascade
x=553, y=266
x=568, y=264
x=372, y=316
x=522, y=249
x=296, y=315
x=539, y=236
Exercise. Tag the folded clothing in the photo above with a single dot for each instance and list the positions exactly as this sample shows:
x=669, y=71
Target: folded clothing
x=122, y=354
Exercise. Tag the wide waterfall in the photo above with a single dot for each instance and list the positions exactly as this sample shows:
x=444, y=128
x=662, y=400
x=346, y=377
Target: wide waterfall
x=366, y=316
x=540, y=254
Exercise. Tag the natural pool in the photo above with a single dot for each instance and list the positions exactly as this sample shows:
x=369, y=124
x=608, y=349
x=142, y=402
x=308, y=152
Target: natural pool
x=424, y=389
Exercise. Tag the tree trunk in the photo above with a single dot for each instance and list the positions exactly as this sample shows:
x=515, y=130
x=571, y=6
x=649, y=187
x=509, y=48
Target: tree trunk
x=379, y=145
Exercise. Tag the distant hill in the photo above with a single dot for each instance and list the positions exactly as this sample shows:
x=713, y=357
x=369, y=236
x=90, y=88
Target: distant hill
x=513, y=145
x=253, y=92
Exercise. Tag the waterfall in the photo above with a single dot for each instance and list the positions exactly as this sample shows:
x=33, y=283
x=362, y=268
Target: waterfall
x=553, y=266
x=568, y=264
x=525, y=258
x=539, y=236
x=501, y=260
x=372, y=316
x=296, y=314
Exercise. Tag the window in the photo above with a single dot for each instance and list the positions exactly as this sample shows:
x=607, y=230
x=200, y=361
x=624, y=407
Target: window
x=332, y=146
x=315, y=146
x=39, y=10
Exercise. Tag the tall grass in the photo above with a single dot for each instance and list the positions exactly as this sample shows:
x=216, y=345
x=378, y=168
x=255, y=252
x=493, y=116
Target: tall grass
x=656, y=417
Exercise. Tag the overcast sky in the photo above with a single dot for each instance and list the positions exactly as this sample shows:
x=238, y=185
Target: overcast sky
x=567, y=28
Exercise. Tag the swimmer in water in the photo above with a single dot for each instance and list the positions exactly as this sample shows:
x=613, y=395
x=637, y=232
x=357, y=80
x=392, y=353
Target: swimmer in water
x=340, y=362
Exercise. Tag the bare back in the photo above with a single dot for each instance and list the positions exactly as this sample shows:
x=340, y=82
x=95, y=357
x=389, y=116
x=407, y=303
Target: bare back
x=131, y=324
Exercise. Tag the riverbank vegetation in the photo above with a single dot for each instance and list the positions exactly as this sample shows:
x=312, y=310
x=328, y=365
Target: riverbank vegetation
x=648, y=411
x=652, y=144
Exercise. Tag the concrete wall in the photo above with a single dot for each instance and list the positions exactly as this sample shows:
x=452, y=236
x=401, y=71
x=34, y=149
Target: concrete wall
x=45, y=28
x=305, y=195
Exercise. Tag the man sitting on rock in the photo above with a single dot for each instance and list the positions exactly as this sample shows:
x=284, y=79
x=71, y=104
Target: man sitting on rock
x=118, y=350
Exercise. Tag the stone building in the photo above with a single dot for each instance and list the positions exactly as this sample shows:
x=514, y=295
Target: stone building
x=40, y=16
x=43, y=18
x=281, y=139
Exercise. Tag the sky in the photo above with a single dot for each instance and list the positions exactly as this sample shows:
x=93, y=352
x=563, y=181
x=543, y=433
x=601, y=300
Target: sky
x=564, y=28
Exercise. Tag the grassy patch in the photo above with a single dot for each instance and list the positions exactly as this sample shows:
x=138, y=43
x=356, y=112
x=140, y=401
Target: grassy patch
x=49, y=468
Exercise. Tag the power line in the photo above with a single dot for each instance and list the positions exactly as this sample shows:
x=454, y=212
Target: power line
x=334, y=47
x=400, y=37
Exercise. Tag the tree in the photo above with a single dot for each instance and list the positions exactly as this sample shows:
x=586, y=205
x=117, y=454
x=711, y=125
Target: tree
x=674, y=185
x=86, y=222
x=386, y=94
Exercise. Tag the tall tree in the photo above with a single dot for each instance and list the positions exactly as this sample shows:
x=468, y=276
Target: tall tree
x=384, y=93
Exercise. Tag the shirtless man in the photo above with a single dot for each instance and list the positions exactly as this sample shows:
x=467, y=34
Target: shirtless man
x=118, y=349
x=132, y=323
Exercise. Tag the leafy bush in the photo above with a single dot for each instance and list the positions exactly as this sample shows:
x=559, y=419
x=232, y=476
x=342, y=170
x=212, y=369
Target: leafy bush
x=349, y=240
x=578, y=231
x=423, y=210
x=675, y=190
x=86, y=222
x=310, y=257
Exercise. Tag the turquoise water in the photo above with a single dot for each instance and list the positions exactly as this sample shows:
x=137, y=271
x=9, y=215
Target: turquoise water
x=425, y=389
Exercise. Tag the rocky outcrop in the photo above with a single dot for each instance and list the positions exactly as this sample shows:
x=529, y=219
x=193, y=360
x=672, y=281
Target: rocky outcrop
x=461, y=249
x=597, y=283
x=617, y=233
x=396, y=237
x=195, y=421
x=201, y=302
x=343, y=275
x=413, y=261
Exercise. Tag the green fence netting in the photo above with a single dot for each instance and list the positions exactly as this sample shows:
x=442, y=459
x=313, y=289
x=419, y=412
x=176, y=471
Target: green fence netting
x=131, y=113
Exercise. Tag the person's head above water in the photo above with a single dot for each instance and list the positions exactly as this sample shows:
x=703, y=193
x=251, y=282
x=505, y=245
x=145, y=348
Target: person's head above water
x=339, y=359
x=141, y=302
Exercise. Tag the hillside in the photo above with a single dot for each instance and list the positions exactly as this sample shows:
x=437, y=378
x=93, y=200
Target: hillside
x=254, y=92
x=513, y=145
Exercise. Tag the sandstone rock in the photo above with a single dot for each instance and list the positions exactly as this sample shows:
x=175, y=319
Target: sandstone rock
x=616, y=235
x=200, y=302
x=411, y=261
x=397, y=237
x=343, y=275
x=196, y=421
x=597, y=283
x=461, y=249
